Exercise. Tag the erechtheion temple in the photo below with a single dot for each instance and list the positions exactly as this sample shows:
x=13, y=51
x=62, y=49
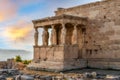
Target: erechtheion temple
x=82, y=36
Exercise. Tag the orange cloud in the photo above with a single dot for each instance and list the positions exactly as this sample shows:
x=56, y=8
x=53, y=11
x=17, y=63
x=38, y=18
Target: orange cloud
x=19, y=32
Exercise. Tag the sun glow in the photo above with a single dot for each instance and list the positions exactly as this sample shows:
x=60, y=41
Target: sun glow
x=18, y=33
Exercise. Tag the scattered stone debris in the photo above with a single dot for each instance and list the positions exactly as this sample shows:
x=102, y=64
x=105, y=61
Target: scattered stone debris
x=14, y=74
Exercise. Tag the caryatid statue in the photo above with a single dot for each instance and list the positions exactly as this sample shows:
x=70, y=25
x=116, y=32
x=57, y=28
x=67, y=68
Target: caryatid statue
x=36, y=36
x=45, y=37
x=75, y=36
x=63, y=34
x=53, y=36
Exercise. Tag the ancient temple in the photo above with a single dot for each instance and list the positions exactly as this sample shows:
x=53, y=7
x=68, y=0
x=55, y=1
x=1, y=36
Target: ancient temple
x=81, y=36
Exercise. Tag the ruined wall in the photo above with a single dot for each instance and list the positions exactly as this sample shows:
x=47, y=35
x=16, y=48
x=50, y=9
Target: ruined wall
x=58, y=58
x=9, y=64
x=3, y=64
x=49, y=53
x=55, y=53
x=102, y=39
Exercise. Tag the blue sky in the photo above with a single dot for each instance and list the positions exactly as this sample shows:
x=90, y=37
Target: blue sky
x=16, y=28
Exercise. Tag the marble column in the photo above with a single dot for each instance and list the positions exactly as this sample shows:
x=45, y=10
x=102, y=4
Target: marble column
x=45, y=36
x=53, y=38
x=36, y=36
x=63, y=35
x=75, y=35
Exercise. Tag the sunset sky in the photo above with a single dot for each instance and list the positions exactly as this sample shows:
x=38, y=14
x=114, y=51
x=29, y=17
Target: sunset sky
x=16, y=28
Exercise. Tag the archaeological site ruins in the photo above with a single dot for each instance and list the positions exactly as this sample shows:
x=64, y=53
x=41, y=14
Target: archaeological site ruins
x=81, y=36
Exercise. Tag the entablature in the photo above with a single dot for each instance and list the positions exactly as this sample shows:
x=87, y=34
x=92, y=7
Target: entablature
x=61, y=19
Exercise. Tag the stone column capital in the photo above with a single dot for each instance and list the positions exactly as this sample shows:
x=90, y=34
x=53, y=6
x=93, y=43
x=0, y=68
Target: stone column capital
x=53, y=26
x=63, y=26
x=75, y=25
x=36, y=29
x=45, y=28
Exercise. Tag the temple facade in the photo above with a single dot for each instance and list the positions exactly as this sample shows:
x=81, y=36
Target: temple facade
x=82, y=36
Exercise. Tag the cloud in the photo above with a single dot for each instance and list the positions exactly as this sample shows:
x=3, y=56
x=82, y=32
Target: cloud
x=19, y=32
x=7, y=10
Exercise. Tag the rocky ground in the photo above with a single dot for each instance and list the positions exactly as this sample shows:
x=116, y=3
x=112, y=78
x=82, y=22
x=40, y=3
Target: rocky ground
x=99, y=71
x=81, y=74
x=80, y=71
